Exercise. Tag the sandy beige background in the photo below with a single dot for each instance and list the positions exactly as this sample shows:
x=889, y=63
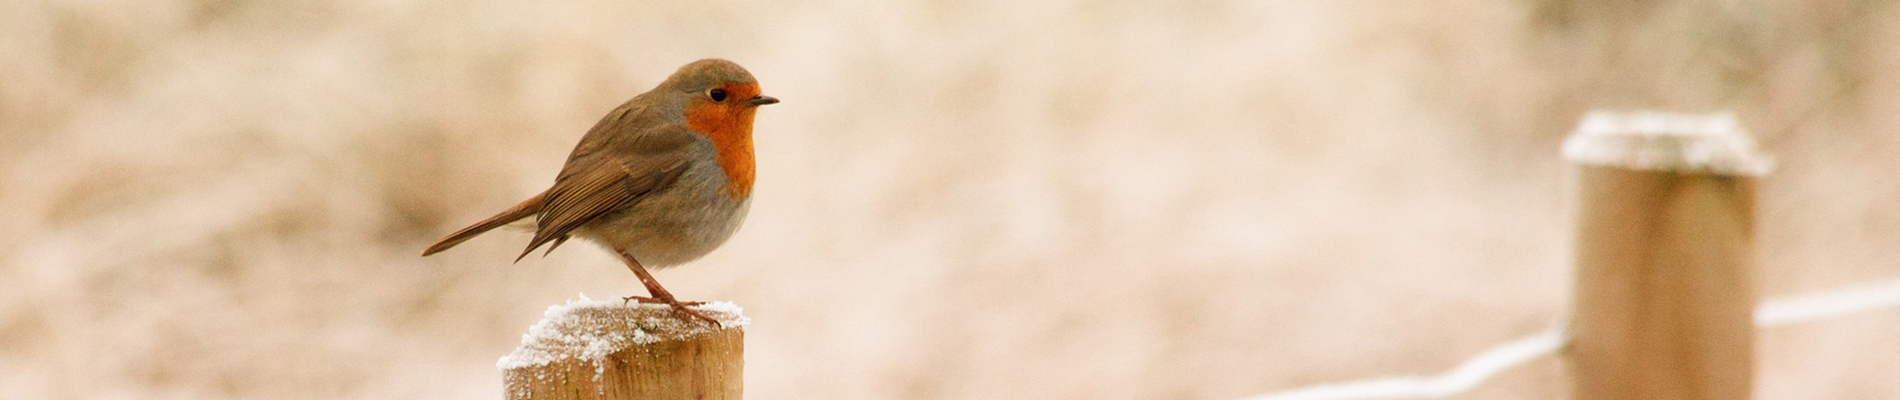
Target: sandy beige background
x=957, y=200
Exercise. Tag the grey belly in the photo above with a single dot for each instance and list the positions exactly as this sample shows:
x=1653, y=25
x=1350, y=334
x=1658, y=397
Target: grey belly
x=671, y=228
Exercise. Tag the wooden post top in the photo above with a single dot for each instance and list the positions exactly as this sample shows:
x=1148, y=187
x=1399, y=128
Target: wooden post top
x=589, y=330
x=1711, y=143
x=590, y=350
x=618, y=351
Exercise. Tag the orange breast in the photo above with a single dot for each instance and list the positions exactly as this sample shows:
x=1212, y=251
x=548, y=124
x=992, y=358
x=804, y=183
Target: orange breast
x=729, y=125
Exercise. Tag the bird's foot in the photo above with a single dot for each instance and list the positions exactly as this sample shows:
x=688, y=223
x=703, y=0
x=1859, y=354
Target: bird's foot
x=679, y=307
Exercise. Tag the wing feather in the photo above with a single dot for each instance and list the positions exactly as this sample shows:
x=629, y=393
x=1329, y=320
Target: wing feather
x=598, y=184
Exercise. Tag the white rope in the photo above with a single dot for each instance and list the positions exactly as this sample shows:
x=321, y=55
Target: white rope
x=1471, y=373
x=1465, y=377
x=1847, y=300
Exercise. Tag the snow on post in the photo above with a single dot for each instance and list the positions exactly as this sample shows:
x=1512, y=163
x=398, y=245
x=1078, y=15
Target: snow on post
x=606, y=350
x=1663, y=247
x=1713, y=143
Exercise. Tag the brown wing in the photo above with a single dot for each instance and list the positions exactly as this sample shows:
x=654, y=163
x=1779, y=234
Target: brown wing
x=596, y=182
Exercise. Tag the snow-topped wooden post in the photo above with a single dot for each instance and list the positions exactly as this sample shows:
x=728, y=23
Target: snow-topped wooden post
x=606, y=350
x=1663, y=247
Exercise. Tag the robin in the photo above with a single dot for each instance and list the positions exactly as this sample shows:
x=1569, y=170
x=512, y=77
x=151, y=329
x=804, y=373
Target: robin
x=662, y=180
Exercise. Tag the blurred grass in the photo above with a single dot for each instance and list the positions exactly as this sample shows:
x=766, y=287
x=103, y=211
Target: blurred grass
x=224, y=199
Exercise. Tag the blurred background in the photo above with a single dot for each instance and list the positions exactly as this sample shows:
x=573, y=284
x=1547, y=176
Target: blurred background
x=225, y=199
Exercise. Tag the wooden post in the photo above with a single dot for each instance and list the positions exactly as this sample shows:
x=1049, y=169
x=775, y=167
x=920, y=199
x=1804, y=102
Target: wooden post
x=606, y=350
x=1665, y=222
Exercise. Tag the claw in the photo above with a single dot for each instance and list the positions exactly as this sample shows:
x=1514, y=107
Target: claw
x=679, y=307
x=696, y=314
x=650, y=300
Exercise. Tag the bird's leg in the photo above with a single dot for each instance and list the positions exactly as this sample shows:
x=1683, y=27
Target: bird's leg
x=660, y=295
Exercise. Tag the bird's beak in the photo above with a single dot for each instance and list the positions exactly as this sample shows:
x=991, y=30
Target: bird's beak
x=763, y=100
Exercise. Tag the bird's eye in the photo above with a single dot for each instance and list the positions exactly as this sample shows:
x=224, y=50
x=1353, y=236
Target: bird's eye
x=717, y=94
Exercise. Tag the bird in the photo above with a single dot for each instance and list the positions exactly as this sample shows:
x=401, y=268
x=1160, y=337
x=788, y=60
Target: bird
x=660, y=181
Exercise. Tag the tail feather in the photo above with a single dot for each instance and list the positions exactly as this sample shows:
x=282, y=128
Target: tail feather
x=526, y=209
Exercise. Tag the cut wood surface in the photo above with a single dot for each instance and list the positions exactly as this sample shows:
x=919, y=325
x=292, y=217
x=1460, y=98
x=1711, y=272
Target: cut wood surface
x=606, y=350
